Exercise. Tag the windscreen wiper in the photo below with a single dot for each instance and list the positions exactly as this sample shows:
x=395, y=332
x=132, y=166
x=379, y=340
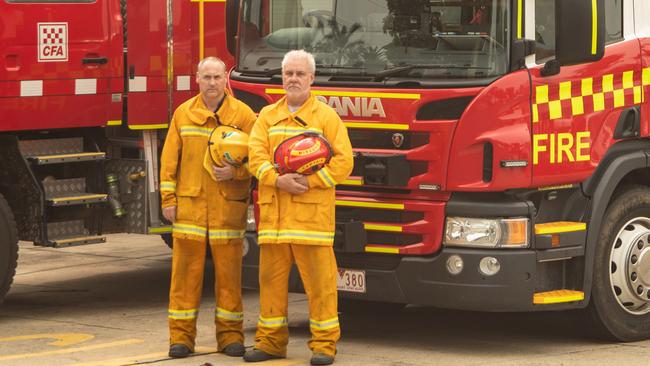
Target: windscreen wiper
x=320, y=67
x=399, y=69
x=272, y=72
x=268, y=72
x=278, y=70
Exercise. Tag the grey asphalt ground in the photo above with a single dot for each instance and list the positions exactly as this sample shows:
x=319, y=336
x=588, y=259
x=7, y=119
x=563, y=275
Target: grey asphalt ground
x=106, y=304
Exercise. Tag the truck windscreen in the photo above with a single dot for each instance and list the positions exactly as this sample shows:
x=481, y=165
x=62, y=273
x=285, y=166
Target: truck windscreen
x=431, y=39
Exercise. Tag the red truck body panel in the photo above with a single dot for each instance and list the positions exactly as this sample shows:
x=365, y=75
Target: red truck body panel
x=45, y=81
x=577, y=112
x=63, y=63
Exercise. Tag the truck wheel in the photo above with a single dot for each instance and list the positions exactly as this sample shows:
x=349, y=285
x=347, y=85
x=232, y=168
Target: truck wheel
x=620, y=299
x=8, y=247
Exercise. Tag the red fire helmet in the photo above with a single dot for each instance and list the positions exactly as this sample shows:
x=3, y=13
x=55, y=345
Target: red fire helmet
x=304, y=154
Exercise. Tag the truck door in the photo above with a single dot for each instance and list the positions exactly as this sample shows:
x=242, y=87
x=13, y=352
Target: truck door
x=575, y=112
x=147, y=64
x=199, y=31
x=59, y=63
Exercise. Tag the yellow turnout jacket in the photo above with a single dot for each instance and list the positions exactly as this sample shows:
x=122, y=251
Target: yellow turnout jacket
x=204, y=206
x=307, y=218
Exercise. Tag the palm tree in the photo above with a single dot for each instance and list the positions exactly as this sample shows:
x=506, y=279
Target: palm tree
x=336, y=42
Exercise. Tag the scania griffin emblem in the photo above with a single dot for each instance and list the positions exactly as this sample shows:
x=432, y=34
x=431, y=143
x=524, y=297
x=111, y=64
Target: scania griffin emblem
x=398, y=139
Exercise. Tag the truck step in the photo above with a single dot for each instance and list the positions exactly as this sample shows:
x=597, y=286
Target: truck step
x=558, y=234
x=77, y=199
x=51, y=146
x=69, y=233
x=67, y=158
x=557, y=296
x=58, y=150
x=69, y=241
x=558, y=227
x=65, y=192
x=66, y=228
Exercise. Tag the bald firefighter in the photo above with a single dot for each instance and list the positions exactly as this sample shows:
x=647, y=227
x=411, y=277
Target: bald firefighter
x=205, y=206
x=297, y=216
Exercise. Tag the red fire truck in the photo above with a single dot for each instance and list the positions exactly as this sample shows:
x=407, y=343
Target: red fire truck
x=82, y=104
x=501, y=147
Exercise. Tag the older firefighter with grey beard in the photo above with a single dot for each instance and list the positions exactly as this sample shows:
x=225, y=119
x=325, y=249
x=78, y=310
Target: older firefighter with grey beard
x=204, y=206
x=297, y=215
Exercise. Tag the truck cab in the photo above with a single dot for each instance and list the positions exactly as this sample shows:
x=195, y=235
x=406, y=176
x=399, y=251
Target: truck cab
x=497, y=144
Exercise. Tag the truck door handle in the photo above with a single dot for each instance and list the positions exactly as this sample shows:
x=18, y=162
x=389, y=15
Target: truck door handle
x=94, y=60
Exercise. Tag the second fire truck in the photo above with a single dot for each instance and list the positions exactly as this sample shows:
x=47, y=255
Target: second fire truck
x=87, y=88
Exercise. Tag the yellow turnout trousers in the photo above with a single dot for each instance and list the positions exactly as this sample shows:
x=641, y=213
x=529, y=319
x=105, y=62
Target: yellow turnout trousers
x=317, y=267
x=188, y=264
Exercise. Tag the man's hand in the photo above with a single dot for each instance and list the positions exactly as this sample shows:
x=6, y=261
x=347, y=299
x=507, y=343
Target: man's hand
x=169, y=213
x=225, y=173
x=292, y=183
x=302, y=180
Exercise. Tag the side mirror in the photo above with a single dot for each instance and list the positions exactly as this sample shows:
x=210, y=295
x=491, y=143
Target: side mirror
x=232, y=21
x=579, y=31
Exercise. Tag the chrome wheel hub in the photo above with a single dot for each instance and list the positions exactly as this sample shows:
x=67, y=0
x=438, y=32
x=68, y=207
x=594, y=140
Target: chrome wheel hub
x=630, y=266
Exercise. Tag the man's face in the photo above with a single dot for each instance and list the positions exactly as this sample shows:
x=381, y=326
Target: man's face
x=211, y=78
x=296, y=80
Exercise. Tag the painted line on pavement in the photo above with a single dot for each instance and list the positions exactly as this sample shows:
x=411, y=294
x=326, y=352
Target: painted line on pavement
x=62, y=339
x=71, y=350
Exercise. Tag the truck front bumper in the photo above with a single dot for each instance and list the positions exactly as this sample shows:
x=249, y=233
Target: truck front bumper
x=426, y=281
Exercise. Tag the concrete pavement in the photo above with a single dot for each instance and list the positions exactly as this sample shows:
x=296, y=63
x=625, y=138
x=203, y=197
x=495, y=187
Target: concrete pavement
x=106, y=304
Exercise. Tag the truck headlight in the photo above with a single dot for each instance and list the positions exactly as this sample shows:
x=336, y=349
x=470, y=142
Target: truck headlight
x=486, y=233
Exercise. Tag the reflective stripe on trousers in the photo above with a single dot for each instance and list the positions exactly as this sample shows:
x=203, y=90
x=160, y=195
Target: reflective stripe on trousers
x=317, y=267
x=188, y=263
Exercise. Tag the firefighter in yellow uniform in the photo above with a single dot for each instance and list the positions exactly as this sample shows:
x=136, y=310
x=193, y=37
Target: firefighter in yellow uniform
x=204, y=209
x=297, y=216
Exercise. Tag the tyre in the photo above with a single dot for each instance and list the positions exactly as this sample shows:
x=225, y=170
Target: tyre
x=620, y=300
x=8, y=247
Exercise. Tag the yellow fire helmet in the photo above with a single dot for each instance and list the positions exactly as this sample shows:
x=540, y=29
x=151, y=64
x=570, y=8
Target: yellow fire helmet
x=227, y=145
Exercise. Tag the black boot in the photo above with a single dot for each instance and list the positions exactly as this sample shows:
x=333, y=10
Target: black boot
x=257, y=355
x=234, y=349
x=179, y=351
x=321, y=359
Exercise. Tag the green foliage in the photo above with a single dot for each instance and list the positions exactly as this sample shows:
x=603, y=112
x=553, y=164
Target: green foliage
x=338, y=47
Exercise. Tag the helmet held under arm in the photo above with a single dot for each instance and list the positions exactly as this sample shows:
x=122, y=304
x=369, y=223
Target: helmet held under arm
x=303, y=154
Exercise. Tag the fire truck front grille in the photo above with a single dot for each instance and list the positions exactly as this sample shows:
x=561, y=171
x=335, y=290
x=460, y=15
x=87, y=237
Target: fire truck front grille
x=390, y=159
x=388, y=216
x=403, y=140
x=389, y=227
x=376, y=237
